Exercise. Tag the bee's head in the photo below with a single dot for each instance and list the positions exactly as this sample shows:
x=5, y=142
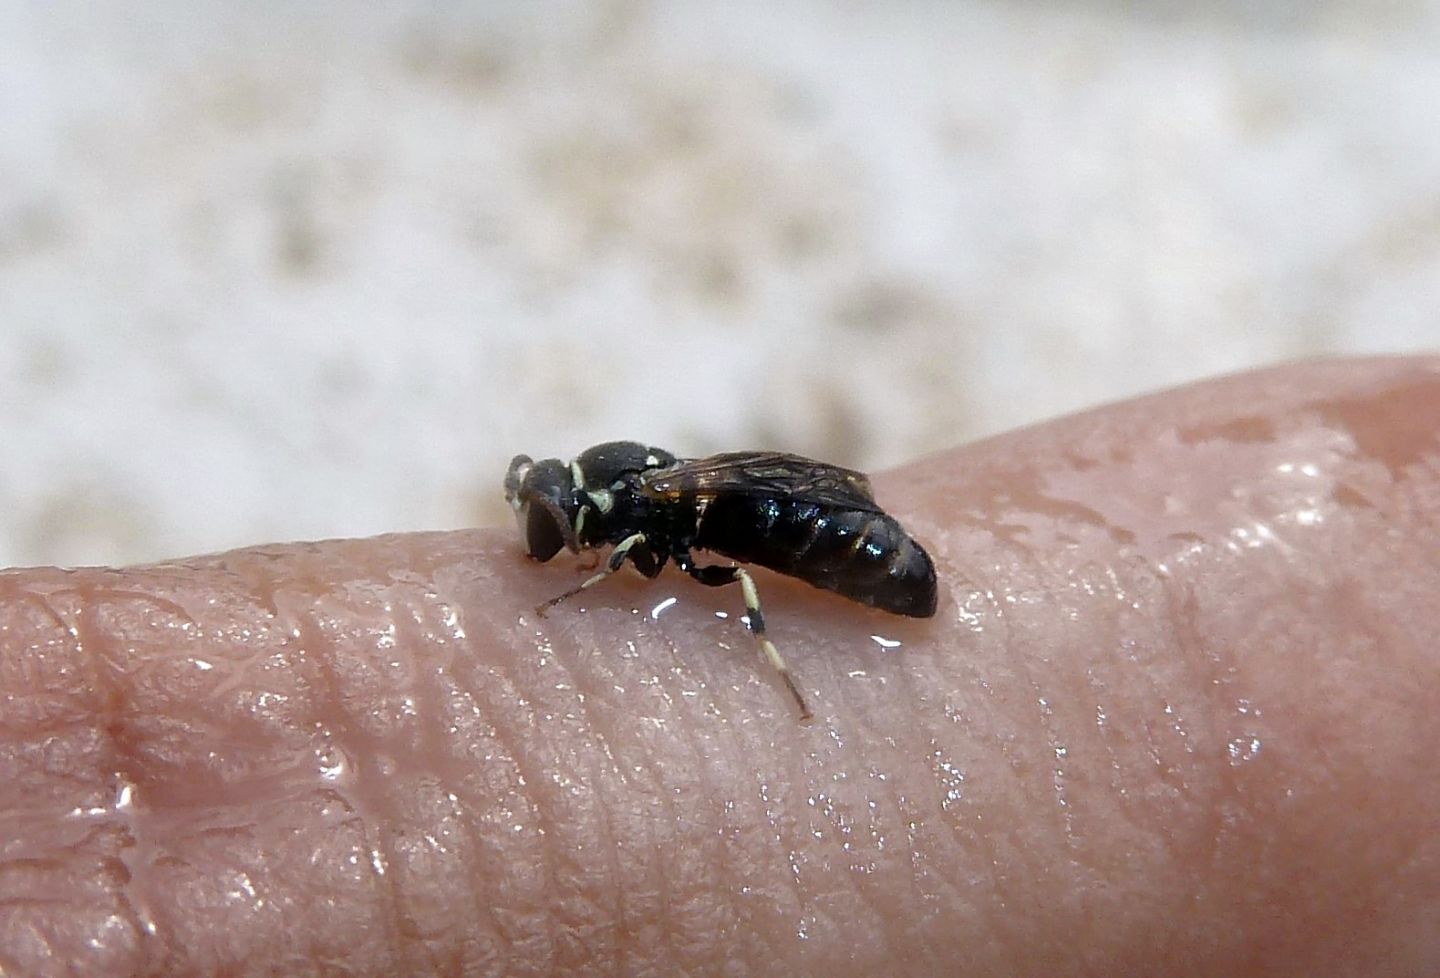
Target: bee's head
x=542, y=495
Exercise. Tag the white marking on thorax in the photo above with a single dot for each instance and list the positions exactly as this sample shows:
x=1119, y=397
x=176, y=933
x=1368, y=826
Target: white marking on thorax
x=601, y=499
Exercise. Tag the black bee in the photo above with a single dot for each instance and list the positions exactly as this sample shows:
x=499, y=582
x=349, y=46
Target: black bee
x=817, y=522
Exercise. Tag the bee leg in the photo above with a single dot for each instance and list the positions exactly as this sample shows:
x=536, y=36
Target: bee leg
x=720, y=576
x=616, y=561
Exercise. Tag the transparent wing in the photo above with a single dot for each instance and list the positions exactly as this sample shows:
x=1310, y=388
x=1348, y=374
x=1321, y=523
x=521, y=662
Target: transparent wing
x=763, y=474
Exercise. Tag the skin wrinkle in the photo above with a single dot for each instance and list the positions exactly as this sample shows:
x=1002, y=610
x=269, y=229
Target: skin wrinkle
x=121, y=760
x=525, y=789
x=723, y=899
x=1325, y=604
x=834, y=809
x=954, y=772
x=1205, y=668
x=322, y=649
x=703, y=910
x=585, y=760
x=472, y=871
x=926, y=857
x=400, y=860
x=1216, y=795
x=722, y=902
x=455, y=663
x=354, y=743
x=484, y=950
x=879, y=816
x=707, y=803
x=486, y=747
x=445, y=705
x=703, y=927
x=775, y=902
x=1183, y=633
x=841, y=820
x=47, y=608
x=749, y=841
x=993, y=647
x=606, y=846
x=619, y=806
x=113, y=840
x=1224, y=429
x=886, y=816
x=777, y=872
x=655, y=961
x=914, y=686
x=470, y=797
x=1016, y=737
x=543, y=795
x=1045, y=702
x=407, y=856
x=1216, y=665
x=576, y=830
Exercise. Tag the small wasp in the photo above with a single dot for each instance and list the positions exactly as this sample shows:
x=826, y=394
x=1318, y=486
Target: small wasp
x=816, y=522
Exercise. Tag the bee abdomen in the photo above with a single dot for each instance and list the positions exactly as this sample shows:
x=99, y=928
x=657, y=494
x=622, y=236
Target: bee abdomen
x=865, y=556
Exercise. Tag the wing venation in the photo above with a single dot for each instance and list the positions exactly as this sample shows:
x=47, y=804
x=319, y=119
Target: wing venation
x=764, y=474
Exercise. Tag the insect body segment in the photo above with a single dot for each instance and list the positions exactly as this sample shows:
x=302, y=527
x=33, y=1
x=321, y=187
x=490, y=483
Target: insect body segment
x=816, y=522
x=866, y=556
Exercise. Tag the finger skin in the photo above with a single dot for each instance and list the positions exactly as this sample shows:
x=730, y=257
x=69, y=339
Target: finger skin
x=1176, y=715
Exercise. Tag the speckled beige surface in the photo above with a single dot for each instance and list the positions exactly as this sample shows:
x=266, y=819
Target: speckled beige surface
x=287, y=271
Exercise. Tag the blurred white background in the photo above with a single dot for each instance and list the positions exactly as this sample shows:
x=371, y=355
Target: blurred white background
x=291, y=270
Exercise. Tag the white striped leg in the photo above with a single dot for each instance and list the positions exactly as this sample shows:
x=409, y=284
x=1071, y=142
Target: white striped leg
x=617, y=559
x=719, y=576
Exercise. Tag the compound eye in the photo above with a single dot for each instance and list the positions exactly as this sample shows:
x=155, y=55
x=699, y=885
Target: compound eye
x=543, y=536
x=545, y=507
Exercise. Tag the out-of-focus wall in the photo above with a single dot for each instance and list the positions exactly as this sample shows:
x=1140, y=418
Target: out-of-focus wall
x=280, y=270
